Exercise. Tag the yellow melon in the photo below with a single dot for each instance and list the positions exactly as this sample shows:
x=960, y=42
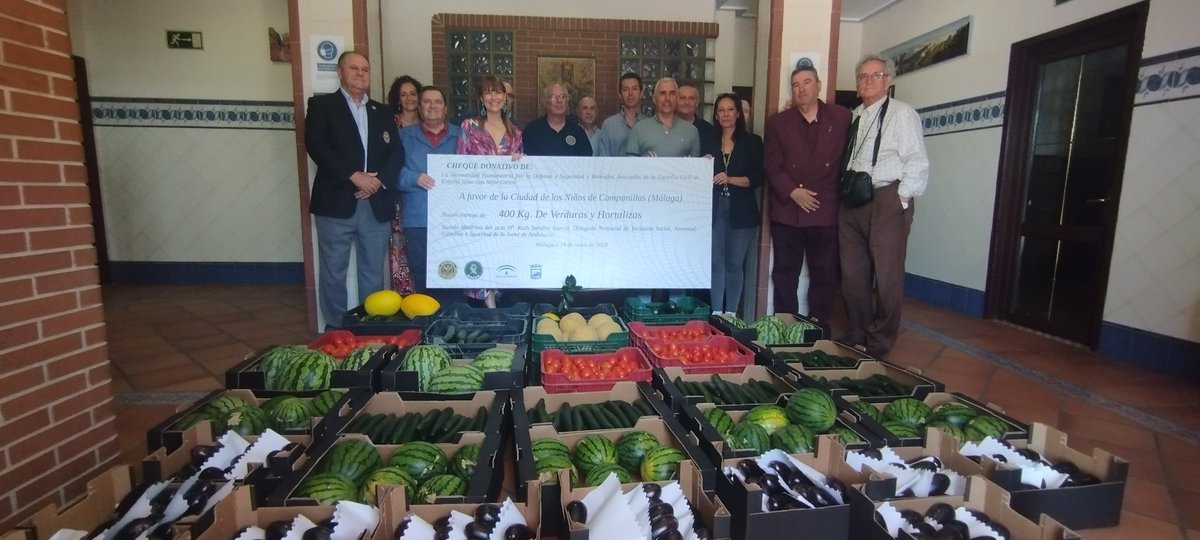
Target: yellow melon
x=419, y=305
x=608, y=328
x=598, y=319
x=546, y=326
x=584, y=333
x=383, y=303
x=571, y=321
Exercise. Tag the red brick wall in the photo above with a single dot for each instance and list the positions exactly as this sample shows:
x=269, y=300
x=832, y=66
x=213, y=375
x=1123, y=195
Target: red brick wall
x=560, y=36
x=56, y=420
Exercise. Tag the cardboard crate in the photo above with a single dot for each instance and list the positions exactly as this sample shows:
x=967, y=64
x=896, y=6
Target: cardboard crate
x=394, y=508
x=707, y=508
x=744, y=335
x=97, y=506
x=677, y=397
x=880, y=487
x=982, y=496
x=1018, y=432
x=745, y=502
x=921, y=385
x=163, y=464
x=394, y=379
x=249, y=374
x=238, y=511
x=165, y=435
x=357, y=321
x=1081, y=507
x=716, y=448
x=777, y=355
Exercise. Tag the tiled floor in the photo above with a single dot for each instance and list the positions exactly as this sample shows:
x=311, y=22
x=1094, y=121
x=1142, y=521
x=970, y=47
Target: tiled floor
x=168, y=343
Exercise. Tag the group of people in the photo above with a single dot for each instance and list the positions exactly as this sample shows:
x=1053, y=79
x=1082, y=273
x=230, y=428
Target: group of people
x=372, y=180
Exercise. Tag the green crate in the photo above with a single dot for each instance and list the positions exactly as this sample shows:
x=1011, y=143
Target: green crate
x=690, y=309
x=542, y=342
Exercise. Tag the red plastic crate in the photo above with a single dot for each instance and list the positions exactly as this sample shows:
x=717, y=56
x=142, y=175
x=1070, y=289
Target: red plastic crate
x=404, y=339
x=745, y=356
x=558, y=383
x=639, y=332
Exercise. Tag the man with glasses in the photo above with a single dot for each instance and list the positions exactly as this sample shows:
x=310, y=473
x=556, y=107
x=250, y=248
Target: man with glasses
x=553, y=135
x=873, y=238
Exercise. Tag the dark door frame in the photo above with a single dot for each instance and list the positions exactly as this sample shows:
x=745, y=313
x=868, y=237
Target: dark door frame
x=92, y=166
x=1025, y=60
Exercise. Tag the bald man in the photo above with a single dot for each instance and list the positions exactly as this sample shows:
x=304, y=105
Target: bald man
x=553, y=135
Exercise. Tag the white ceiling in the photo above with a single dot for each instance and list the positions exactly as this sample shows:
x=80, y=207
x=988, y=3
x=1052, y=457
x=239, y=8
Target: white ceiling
x=852, y=10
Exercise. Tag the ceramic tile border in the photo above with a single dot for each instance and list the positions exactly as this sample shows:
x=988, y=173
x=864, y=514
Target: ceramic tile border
x=193, y=113
x=969, y=114
x=1169, y=77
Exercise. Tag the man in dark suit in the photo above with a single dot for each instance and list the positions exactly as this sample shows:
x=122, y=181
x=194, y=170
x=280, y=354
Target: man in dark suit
x=803, y=157
x=358, y=153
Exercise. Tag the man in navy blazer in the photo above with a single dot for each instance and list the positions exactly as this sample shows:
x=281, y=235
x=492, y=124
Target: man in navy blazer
x=354, y=142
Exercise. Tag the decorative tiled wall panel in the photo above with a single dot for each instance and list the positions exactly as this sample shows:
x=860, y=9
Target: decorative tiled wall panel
x=192, y=113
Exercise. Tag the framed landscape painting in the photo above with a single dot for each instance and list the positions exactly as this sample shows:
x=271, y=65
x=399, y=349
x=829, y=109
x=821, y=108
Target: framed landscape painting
x=935, y=46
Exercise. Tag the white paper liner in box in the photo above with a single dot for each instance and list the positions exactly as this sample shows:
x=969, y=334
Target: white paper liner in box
x=139, y=509
x=221, y=493
x=892, y=520
x=509, y=515
x=1033, y=473
x=608, y=513
x=856, y=459
x=268, y=442
x=974, y=526
x=177, y=505
x=232, y=445
x=68, y=534
x=252, y=532
x=639, y=504
x=352, y=520
x=300, y=524
x=458, y=525
x=817, y=477
x=417, y=529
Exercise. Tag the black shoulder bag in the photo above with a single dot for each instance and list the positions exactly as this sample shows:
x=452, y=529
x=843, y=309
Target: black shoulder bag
x=857, y=187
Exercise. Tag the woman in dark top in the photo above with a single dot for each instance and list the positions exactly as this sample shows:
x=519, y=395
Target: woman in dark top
x=737, y=172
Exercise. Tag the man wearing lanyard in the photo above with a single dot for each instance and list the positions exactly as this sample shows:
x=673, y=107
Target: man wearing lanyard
x=873, y=238
x=353, y=141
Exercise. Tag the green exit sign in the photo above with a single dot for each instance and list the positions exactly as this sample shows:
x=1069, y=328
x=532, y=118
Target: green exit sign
x=179, y=39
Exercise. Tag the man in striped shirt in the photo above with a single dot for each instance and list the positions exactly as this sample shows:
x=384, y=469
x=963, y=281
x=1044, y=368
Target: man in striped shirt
x=873, y=238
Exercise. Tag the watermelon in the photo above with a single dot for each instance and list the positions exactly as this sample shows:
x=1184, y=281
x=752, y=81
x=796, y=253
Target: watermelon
x=422, y=460
x=633, y=446
x=983, y=426
x=359, y=357
x=748, y=435
x=950, y=429
x=324, y=402
x=290, y=412
x=299, y=370
x=464, y=461
x=812, y=408
x=954, y=413
x=794, y=334
x=720, y=420
x=548, y=468
x=391, y=476
x=277, y=360
x=660, y=464
x=735, y=321
x=770, y=417
x=594, y=450
x=913, y=412
x=770, y=330
x=328, y=488
x=425, y=360
x=442, y=485
x=793, y=439
x=493, y=360
x=600, y=473
x=455, y=380
x=543, y=448
x=222, y=405
x=901, y=429
x=352, y=458
x=845, y=434
x=868, y=410
x=247, y=421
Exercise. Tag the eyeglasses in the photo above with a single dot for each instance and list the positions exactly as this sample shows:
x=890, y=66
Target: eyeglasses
x=864, y=77
x=557, y=98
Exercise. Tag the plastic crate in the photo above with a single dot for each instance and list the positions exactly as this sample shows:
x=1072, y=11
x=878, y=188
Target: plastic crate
x=357, y=321
x=640, y=331
x=539, y=343
x=558, y=383
x=402, y=340
x=688, y=309
x=510, y=331
x=586, y=311
x=655, y=349
x=467, y=313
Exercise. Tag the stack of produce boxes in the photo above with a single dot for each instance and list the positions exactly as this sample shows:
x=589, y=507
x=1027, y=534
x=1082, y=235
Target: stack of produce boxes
x=582, y=330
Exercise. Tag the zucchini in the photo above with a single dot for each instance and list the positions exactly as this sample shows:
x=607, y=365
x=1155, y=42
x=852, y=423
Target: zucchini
x=410, y=421
x=564, y=414
x=394, y=432
x=445, y=420
x=480, y=420
x=427, y=421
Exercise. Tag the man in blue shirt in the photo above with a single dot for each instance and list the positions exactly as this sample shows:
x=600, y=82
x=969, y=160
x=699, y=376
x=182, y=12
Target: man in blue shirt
x=431, y=136
x=615, y=129
x=553, y=135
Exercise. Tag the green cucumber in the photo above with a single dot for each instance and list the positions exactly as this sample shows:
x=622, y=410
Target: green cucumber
x=480, y=420
x=564, y=414
x=428, y=420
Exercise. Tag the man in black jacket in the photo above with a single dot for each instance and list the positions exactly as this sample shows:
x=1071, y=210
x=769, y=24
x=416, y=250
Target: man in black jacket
x=354, y=142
